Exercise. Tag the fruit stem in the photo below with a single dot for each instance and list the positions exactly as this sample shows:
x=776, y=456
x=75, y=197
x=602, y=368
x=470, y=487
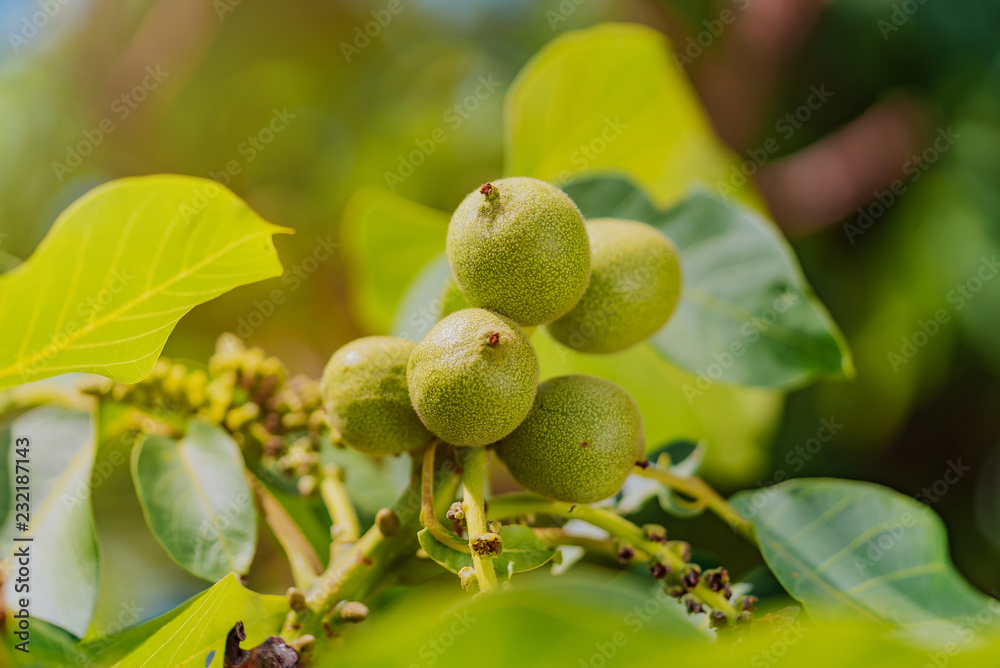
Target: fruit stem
x=516, y=504
x=554, y=537
x=428, y=515
x=475, y=514
x=338, y=504
x=698, y=489
x=302, y=558
x=358, y=569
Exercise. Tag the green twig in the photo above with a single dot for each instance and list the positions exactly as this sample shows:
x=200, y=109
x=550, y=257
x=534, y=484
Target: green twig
x=359, y=569
x=698, y=489
x=475, y=514
x=302, y=558
x=347, y=528
x=428, y=514
x=518, y=504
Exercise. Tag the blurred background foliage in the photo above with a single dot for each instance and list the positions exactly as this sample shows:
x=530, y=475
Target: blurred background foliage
x=897, y=73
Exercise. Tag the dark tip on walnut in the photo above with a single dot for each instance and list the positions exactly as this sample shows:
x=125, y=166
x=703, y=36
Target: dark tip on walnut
x=643, y=463
x=583, y=445
x=486, y=189
x=494, y=338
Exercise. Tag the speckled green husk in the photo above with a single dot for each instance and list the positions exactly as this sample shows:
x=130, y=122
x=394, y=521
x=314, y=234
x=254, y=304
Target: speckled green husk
x=520, y=248
x=635, y=284
x=364, y=391
x=472, y=379
x=578, y=443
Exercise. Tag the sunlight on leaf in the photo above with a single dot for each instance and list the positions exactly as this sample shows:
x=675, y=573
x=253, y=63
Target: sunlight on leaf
x=63, y=589
x=612, y=99
x=188, y=638
x=387, y=241
x=119, y=268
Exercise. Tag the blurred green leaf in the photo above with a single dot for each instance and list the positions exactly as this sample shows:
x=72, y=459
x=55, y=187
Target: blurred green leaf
x=187, y=639
x=51, y=647
x=117, y=271
x=64, y=591
x=847, y=548
x=542, y=621
x=197, y=500
x=611, y=99
x=747, y=314
x=522, y=551
x=387, y=242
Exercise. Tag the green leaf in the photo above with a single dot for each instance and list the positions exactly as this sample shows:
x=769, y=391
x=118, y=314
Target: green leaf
x=522, y=551
x=568, y=621
x=187, y=639
x=387, y=241
x=50, y=646
x=196, y=499
x=64, y=590
x=117, y=271
x=611, y=99
x=857, y=549
x=451, y=559
x=746, y=314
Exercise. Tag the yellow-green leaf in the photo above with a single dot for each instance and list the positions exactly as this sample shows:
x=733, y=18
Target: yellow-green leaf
x=612, y=99
x=387, y=241
x=117, y=271
x=185, y=641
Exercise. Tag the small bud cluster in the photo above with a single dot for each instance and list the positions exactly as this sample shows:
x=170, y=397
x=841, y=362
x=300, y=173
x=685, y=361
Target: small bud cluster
x=244, y=391
x=689, y=584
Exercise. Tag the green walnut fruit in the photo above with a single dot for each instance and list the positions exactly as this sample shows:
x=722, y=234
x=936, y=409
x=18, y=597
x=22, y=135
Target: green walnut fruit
x=472, y=379
x=635, y=284
x=518, y=246
x=578, y=443
x=364, y=391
